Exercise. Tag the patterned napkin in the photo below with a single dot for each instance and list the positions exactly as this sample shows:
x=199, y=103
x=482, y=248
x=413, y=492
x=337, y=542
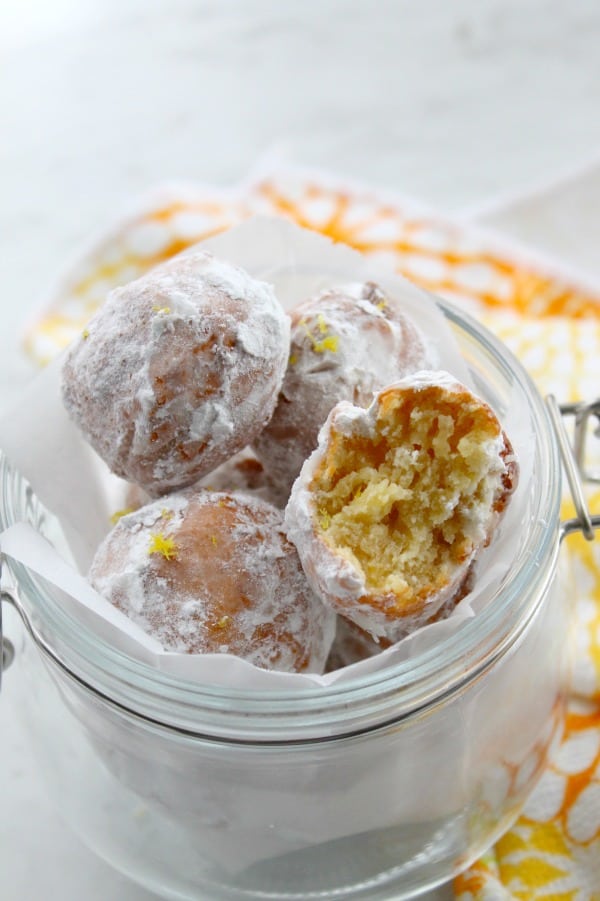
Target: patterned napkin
x=548, y=319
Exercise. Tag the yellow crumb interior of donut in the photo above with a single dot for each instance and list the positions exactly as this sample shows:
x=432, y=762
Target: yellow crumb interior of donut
x=408, y=506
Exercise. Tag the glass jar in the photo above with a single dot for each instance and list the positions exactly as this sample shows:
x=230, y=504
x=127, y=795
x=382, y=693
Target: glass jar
x=383, y=787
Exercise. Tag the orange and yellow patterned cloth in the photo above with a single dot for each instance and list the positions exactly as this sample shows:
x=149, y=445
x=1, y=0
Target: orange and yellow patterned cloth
x=549, y=320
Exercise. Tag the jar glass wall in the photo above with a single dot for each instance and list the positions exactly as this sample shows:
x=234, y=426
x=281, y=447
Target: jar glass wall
x=380, y=788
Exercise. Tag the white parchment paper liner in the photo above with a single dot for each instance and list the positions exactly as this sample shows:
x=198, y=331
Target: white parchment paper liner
x=74, y=485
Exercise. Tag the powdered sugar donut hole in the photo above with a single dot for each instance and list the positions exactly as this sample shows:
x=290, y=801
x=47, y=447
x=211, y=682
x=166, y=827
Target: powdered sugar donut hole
x=210, y=572
x=346, y=343
x=178, y=371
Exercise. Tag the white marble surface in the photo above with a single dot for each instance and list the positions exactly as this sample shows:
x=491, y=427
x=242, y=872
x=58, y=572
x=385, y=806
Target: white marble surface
x=454, y=103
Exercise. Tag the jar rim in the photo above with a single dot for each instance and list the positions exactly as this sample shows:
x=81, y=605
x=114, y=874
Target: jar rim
x=403, y=688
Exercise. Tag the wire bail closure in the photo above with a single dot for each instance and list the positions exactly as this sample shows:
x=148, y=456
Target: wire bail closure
x=574, y=460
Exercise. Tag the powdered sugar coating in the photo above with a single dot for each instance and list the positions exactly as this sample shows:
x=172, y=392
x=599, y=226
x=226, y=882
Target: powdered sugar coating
x=346, y=343
x=178, y=371
x=352, y=644
x=207, y=572
x=333, y=574
x=241, y=474
x=245, y=474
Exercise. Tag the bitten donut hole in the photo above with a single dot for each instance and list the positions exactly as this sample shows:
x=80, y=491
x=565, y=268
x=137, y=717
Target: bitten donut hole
x=409, y=504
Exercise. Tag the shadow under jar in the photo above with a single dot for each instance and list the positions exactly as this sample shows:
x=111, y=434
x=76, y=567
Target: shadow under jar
x=378, y=788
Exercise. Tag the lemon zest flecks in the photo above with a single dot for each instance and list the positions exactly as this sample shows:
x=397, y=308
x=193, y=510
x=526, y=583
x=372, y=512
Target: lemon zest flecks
x=166, y=547
x=223, y=622
x=85, y=334
x=118, y=514
x=213, y=540
x=324, y=520
x=158, y=309
x=166, y=514
x=293, y=360
x=322, y=324
x=330, y=342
